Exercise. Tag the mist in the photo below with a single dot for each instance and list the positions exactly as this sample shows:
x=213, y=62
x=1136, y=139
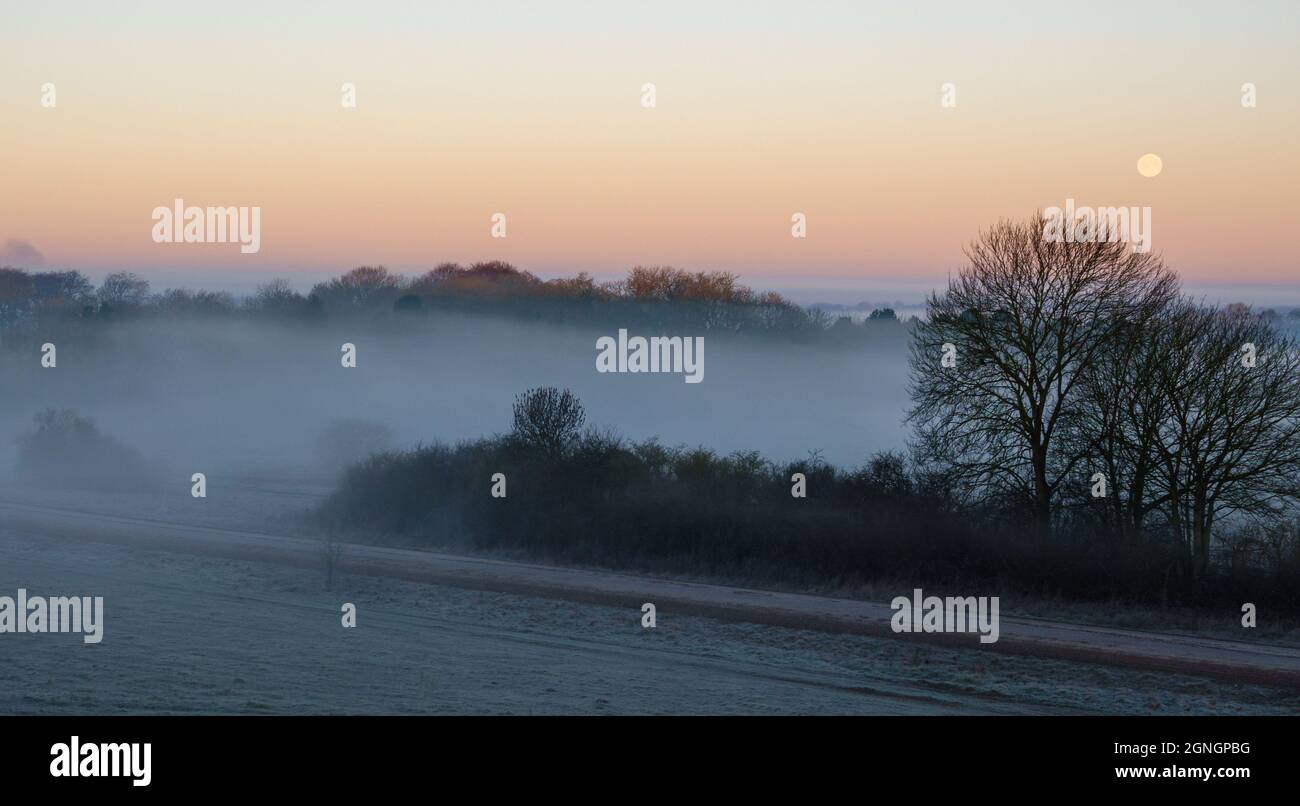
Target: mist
x=230, y=395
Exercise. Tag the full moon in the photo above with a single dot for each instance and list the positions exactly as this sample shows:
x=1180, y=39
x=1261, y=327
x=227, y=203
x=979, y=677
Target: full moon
x=1149, y=165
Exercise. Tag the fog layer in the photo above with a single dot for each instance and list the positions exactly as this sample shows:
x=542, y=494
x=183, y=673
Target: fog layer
x=233, y=395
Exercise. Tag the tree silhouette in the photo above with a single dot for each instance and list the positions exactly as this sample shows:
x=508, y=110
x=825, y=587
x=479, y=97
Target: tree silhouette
x=1028, y=317
x=122, y=289
x=548, y=419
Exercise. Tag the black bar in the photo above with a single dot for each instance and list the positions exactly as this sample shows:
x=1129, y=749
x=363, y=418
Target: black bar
x=332, y=755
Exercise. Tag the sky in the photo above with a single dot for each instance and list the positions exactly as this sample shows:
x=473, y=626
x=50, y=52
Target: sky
x=762, y=110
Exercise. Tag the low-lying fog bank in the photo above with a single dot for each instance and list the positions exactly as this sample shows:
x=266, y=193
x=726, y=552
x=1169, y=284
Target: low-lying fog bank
x=212, y=394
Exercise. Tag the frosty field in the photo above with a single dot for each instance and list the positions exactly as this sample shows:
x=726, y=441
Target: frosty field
x=192, y=634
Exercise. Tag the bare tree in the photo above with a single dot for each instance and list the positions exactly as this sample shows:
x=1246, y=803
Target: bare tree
x=1231, y=440
x=361, y=286
x=1026, y=317
x=548, y=419
x=1122, y=411
x=62, y=286
x=124, y=288
x=277, y=295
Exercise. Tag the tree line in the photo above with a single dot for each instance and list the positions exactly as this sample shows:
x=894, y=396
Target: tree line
x=658, y=297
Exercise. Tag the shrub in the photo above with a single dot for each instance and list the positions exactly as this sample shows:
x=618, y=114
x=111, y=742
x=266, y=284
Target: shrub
x=67, y=450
